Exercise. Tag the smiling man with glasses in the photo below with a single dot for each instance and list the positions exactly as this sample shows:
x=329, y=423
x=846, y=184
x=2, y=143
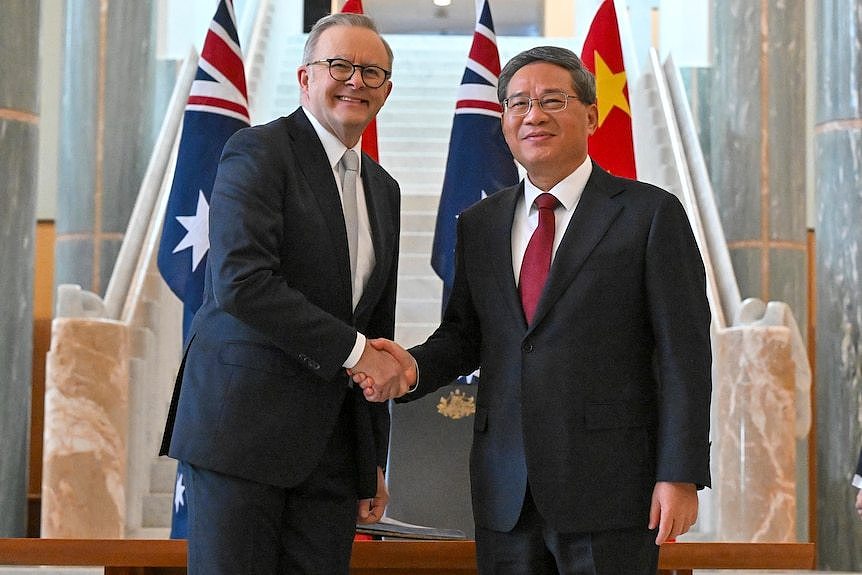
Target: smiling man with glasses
x=286, y=455
x=582, y=298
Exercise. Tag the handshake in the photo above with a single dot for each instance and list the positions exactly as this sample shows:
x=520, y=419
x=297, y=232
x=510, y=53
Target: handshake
x=385, y=370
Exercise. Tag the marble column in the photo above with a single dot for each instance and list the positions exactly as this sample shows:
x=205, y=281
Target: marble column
x=757, y=145
x=86, y=429
x=838, y=186
x=114, y=95
x=752, y=102
x=754, y=443
x=19, y=130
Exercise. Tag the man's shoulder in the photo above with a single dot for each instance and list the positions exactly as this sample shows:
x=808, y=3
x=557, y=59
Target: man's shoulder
x=272, y=129
x=628, y=189
x=270, y=140
x=494, y=202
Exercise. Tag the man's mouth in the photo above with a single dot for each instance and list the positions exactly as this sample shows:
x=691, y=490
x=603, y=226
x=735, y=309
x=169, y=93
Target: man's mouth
x=537, y=136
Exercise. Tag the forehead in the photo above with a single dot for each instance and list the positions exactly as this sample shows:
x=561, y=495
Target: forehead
x=540, y=77
x=350, y=42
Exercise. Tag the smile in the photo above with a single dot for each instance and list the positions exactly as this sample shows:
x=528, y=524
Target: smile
x=350, y=100
x=537, y=136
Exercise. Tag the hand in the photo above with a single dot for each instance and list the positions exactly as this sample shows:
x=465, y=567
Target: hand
x=859, y=503
x=371, y=510
x=383, y=376
x=673, y=509
x=376, y=389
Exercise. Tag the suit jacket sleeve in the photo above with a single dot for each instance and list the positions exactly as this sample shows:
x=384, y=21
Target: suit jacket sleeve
x=249, y=274
x=454, y=347
x=680, y=318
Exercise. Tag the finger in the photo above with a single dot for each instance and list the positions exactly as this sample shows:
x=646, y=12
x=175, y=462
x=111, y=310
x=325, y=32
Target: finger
x=654, y=514
x=363, y=509
x=665, y=528
x=373, y=395
x=375, y=513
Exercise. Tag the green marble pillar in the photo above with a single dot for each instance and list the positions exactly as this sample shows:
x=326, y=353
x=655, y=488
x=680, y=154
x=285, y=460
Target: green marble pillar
x=838, y=183
x=114, y=95
x=19, y=130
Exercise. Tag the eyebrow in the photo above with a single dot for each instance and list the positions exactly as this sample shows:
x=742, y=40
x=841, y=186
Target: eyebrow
x=542, y=93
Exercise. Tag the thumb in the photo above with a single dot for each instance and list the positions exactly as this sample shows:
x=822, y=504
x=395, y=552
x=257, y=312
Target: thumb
x=380, y=344
x=654, y=513
x=364, y=508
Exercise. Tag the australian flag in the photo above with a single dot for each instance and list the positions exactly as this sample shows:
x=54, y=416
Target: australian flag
x=217, y=107
x=479, y=162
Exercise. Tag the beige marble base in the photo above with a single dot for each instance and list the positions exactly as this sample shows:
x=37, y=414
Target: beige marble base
x=755, y=416
x=86, y=421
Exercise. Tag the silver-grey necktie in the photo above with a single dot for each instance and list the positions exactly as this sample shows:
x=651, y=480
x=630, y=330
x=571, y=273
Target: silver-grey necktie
x=349, y=167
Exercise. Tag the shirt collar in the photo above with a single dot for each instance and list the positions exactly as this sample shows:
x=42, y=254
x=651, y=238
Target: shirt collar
x=568, y=191
x=333, y=147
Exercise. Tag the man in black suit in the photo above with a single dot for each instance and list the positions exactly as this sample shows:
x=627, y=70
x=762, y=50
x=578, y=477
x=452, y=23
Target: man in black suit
x=286, y=455
x=592, y=415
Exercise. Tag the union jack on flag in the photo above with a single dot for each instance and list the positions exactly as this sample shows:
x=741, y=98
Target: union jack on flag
x=479, y=161
x=217, y=107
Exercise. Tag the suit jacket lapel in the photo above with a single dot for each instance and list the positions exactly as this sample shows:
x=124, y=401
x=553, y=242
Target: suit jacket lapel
x=379, y=218
x=595, y=212
x=499, y=249
x=317, y=174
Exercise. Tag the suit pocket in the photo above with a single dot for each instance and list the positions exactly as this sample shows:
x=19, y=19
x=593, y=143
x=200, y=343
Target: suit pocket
x=254, y=356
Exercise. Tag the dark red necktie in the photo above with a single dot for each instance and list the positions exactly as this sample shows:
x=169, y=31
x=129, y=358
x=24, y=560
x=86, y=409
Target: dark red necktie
x=537, y=258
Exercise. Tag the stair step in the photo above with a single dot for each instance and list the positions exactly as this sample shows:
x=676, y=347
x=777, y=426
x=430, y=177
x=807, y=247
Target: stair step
x=163, y=474
x=157, y=510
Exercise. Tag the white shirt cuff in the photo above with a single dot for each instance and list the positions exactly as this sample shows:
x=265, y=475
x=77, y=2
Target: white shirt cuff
x=415, y=386
x=358, y=348
x=857, y=481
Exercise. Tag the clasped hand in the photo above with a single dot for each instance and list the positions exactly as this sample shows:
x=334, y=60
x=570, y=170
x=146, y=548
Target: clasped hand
x=385, y=370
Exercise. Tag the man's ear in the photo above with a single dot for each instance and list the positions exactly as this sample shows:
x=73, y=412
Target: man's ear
x=592, y=118
x=302, y=77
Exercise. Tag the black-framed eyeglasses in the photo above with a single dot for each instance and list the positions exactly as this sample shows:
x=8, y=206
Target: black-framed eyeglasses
x=343, y=70
x=553, y=102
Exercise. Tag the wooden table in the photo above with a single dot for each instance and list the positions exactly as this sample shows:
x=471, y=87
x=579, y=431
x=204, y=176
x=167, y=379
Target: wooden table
x=168, y=557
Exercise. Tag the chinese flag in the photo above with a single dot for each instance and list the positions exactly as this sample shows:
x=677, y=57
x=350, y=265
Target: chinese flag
x=611, y=146
x=369, y=136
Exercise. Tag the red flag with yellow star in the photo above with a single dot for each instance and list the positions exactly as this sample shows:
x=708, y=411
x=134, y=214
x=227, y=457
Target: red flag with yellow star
x=369, y=136
x=611, y=146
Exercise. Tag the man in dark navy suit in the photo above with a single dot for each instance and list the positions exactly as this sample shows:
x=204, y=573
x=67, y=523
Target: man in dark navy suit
x=286, y=455
x=582, y=297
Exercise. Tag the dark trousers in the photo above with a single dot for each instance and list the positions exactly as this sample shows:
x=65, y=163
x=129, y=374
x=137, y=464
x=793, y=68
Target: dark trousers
x=237, y=526
x=534, y=548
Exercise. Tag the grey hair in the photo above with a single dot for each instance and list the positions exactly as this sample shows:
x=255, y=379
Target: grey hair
x=341, y=19
x=582, y=79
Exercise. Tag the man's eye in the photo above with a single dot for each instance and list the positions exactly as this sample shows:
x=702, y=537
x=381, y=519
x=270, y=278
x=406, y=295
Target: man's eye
x=373, y=73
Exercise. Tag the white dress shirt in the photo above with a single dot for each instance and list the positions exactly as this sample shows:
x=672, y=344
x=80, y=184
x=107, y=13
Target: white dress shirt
x=365, y=257
x=568, y=193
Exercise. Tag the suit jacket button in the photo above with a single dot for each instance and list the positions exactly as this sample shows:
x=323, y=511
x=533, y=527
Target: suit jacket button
x=528, y=347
